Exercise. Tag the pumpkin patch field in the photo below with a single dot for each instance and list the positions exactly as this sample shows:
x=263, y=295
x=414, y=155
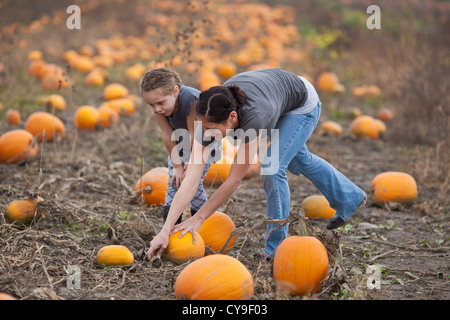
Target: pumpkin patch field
x=83, y=166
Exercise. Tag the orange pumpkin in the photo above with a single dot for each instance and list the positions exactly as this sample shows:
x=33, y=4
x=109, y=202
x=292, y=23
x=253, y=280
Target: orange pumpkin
x=22, y=212
x=94, y=78
x=86, y=117
x=385, y=114
x=393, y=186
x=115, y=91
x=327, y=81
x=114, y=255
x=317, y=207
x=332, y=127
x=56, y=101
x=364, y=126
x=121, y=105
x=215, y=277
x=226, y=70
x=216, y=230
x=16, y=146
x=157, y=179
x=13, y=117
x=218, y=172
x=180, y=250
x=108, y=116
x=46, y=125
x=6, y=296
x=300, y=264
x=380, y=126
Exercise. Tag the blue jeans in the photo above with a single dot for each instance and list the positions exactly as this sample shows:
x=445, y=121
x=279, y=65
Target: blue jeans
x=342, y=194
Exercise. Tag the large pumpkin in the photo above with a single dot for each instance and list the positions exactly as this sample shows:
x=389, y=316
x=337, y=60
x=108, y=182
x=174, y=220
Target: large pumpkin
x=394, y=187
x=180, y=250
x=114, y=255
x=215, y=277
x=215, y=231
x=157, y=179
x=317, y=207
x=46, y=125
x=22, y=212
x=15, y=146
x=300, y=264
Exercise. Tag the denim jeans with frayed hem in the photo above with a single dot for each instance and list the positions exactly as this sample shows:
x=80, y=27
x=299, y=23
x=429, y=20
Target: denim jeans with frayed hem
x=293, y=155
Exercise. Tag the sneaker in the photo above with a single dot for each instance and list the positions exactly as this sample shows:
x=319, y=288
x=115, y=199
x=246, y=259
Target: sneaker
x=260, y=256
x=336, y=222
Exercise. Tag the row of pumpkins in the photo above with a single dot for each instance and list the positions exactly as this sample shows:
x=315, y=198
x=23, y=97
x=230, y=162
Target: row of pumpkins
x=18, y=145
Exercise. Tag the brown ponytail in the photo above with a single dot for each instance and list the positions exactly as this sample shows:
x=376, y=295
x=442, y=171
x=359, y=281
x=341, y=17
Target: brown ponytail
x=217, y=102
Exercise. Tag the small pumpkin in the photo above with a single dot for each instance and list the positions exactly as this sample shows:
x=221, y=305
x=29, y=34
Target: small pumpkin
x=214, y=277
x=46, y=125
x=22, y=212
x=364, y=125
x=226, y=69
x=56, y=101
x=16, y=145
x=216, y=230
x=385, y=114
x=180, y=250
x=156, y=181
x=13, y=117
x=317, y=207
x=394, y=186
x=86, y=117
x=327, y=81
x=108, y=116
x=300, y=264
x=332, y=127
x=115, y=91
x=114, y=255
x=7, y=296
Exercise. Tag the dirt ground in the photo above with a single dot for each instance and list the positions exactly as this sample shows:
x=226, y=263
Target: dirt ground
x=86, y=179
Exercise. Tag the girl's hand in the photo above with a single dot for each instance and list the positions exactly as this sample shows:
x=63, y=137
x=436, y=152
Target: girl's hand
x=178, y=175
x=158, y=245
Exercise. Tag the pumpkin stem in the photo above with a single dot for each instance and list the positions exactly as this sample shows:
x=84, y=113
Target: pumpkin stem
x=302, y=228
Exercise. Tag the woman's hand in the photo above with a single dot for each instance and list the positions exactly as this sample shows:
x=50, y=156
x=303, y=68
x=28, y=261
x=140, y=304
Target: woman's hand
x=158, y=245
x=178, y=175
x=190, y=225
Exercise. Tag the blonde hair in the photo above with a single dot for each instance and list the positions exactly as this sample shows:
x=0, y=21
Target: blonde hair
x=163, y=78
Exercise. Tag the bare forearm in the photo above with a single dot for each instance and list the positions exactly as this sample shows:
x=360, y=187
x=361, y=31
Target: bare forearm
x=222, y=194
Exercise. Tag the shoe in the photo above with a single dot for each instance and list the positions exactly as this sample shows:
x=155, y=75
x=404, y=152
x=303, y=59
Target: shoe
x=260, y=256
x=336, y=222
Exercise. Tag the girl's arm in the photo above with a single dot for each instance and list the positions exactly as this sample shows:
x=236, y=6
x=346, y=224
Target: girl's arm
x=166, y=130
x=181, y=200
x=240, y=166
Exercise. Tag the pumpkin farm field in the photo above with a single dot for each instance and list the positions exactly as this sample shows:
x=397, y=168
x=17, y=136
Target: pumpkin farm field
x=83, y=165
